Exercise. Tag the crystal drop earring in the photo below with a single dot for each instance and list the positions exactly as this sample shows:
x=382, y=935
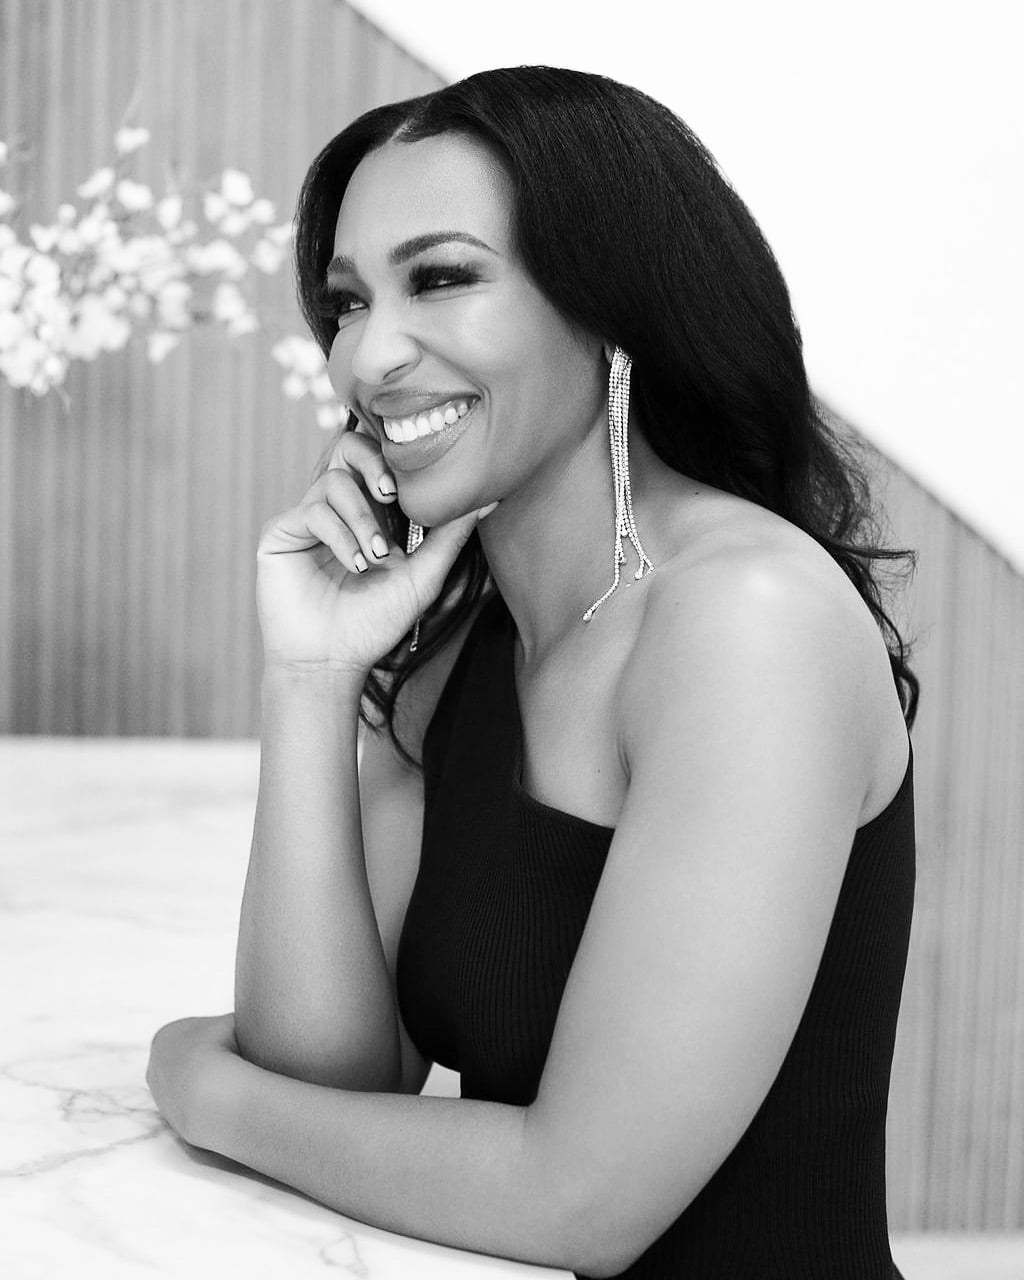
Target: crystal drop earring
x=411, y=543
x=618, y=434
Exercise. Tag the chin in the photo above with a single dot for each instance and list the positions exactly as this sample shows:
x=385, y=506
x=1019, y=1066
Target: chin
x=431, y=510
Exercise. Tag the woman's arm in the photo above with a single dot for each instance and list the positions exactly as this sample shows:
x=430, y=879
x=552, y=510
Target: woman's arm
x=695, y=966
x=313, y=994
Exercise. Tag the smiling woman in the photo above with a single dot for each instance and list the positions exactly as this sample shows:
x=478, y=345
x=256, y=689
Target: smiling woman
x=639, y=865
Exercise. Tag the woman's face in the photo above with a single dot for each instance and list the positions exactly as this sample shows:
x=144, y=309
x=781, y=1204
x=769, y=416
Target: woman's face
x=449, y=353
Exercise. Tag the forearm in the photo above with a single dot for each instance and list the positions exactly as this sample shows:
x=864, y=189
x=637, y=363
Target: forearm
x=312, y=993
x=456, y=1172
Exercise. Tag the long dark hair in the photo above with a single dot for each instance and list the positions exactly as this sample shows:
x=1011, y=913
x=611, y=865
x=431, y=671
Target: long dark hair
x=623, y=220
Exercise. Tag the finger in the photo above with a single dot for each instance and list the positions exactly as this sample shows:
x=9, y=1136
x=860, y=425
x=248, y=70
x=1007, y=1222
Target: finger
x=324, y=523
x=430, y=562
x=361, y=454
x=347, y=498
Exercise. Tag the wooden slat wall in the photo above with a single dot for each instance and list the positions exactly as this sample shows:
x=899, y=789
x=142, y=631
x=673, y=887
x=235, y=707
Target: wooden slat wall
x=128, y=526
x=956, y=1112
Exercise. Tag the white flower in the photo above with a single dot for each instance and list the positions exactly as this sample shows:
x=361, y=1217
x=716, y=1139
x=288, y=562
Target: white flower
x=20, y=363
x=54, y=369
x=13, y=258
x=228, y=303
x=44, y=238
x=3, y=152
x=140, y=306
x=97, y=329
x=66, y=214
x=127, y=140
x=321, y=388
x=7, y=237
x=172, y=305
x=12, y=329
x=69, y=241
x=262, y=212
x=96, y=226
x=134, y=196
x=42, y=272
x=242, y=325
x=236, y=187
x=97, y=185
x=267, y=256
x=218, y=255
x=294, y=387
x=115, y=297
x=10, y=292
x=168, y=212
x=301, y=355
x=7, y=203
x=214, y=206
x=234, y=223
x=281, y=234
x=160, y=344
x=330, y=416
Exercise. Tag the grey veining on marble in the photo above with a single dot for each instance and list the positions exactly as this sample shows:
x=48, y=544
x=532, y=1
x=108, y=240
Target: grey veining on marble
x=122, y=863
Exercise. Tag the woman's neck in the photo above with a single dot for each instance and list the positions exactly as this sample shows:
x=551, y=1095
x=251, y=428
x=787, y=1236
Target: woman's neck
x=549, y=545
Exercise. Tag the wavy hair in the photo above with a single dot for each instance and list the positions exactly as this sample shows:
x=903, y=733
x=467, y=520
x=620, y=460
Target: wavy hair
x=625, y=223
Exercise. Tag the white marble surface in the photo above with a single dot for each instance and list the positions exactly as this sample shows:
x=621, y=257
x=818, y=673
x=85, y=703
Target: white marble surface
x=121, y=871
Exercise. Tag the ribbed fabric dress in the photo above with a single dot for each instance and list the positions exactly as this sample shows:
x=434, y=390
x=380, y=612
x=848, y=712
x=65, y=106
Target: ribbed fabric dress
x=497, y=912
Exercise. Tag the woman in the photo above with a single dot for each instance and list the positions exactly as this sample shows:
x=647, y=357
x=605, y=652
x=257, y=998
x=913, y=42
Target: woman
x=650, y=891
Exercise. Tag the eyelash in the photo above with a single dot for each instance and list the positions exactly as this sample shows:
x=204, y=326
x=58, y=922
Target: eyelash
x=336, y=304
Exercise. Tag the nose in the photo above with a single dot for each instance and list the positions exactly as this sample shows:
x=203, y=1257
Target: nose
x=383, y=349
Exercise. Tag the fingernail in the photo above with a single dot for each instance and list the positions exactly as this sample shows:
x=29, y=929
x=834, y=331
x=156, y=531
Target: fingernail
x=484, y=512
x=380, y=547
x=360, y=562
x=386, y=487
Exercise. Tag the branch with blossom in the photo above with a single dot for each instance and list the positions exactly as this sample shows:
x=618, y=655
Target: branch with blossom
x=120, y=263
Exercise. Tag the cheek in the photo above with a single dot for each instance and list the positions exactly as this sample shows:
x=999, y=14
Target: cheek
x=339, y=367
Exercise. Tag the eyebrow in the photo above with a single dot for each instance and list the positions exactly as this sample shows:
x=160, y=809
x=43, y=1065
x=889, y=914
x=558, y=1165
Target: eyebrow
x=409, y=249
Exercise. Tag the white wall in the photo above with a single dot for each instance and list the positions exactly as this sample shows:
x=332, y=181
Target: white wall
x=879, y=144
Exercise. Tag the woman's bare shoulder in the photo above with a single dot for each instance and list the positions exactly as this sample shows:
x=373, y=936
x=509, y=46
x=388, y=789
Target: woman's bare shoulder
x=739, y=554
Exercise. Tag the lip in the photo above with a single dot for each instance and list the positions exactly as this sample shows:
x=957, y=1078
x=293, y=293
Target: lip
x=416, y=454
x=407, y=404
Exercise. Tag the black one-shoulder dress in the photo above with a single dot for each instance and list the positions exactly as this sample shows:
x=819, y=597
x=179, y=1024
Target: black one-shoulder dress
x=497, y=912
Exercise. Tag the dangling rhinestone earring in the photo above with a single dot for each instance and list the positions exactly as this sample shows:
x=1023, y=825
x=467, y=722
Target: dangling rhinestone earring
x=618, y=432
x=411, y=543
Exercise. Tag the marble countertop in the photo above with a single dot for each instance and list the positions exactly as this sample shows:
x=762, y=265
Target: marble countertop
x=122, y=863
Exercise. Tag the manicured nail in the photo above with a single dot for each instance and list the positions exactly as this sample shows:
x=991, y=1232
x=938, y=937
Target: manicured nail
x=386, y=487
x=380, y=547
x=360, y=562
x=484, y=512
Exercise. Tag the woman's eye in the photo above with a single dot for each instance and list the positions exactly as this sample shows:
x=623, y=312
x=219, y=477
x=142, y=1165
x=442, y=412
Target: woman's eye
x=336, y=304
x=424, y=279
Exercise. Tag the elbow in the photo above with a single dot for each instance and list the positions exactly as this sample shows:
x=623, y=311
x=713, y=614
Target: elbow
x=590, y=1229
x=602, y=1252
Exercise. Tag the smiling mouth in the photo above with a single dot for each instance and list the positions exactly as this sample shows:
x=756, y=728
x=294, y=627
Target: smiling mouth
x=428, y=422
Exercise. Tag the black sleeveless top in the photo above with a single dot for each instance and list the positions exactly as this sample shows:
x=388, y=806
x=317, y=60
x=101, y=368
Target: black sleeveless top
x=497, y=912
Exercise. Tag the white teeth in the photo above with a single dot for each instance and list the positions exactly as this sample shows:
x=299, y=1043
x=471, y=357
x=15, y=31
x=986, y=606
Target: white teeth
x=402, y=430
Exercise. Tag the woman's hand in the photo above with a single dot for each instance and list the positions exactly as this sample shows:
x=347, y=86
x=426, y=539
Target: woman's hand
x=189, y=1061
x=332, y=592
